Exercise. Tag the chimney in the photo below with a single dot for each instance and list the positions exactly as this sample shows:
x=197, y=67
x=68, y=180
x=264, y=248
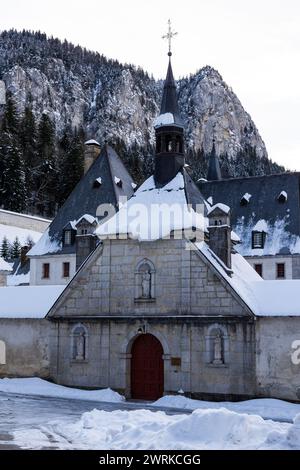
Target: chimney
x=91, y=152
x=86, y=240
x=220, y=233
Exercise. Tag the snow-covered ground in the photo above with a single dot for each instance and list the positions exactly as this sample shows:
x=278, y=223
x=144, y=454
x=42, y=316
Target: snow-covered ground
x=267, y=408
x=144, y=429
x=74, y=424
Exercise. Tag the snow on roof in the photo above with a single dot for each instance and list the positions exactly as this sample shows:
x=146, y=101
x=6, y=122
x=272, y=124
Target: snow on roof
x=210, y=200
x=133, y=185
x=45, y=245
x=235, y=237
x=18, y=279
x=153, y=213
x=283, y=195
x=247, y=197
x=92, y=142
x=99, y=180
x=89, y=218
x=117, y=180
x=264, y=298
x=28, y=302
x=261, y=226
x=164, y=120
x=26, y=216
x=220, y=206
x=4, y=266
x=11, y=232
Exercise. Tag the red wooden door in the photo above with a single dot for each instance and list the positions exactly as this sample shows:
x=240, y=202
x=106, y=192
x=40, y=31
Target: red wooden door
x=147, y=368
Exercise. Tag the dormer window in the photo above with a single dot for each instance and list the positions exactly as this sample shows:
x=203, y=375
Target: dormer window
x=245, y=199
x=67, y=238
x=97, y=183
x=118, y=182
x=258, y=239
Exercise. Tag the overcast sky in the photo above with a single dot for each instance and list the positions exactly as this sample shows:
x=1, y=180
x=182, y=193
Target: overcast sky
x=255, y=45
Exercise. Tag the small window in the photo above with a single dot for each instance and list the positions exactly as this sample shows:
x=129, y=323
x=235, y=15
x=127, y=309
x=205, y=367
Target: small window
x=46, y=271
x=259, y=269
x=258, y=239
x=280, y=270
x=66, y=269
x=67, y=237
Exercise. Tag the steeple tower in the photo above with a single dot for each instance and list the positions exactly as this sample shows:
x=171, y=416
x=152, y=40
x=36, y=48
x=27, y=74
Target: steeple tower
x=214, y=170
x=169, y=158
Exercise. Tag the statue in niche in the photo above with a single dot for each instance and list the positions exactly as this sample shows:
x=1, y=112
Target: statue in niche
x=80, y=346
x=218, y=354
x=146, y=285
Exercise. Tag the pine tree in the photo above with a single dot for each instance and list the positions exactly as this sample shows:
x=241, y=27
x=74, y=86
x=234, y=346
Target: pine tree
x=5, y=248
x=12, y=177
x=72, y=163
x=27, y=136
x=10, y=121
x=46, y=171
x=15, y=249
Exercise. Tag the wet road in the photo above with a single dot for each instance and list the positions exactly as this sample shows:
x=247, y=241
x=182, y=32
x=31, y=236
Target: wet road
x=26, y=412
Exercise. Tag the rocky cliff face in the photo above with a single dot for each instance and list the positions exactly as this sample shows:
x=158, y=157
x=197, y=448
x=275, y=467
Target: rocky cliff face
x=119, y=102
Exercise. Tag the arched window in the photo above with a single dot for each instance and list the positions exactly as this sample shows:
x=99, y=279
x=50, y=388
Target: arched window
x=169, y=146
x=79, y=343
x=2, y=353
x=178, y=144
x=217, y=345
x=145, y=280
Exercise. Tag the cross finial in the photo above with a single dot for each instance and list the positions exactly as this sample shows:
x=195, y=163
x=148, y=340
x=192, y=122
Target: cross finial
x=169, y=36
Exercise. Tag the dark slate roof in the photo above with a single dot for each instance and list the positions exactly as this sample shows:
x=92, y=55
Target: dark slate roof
x=193, y=193
x=169, y=103
x=85, y=198
x=214, y=170
x=283, y=219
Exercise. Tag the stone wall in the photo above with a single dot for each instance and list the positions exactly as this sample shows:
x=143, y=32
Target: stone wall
x=27, y=347
x=277, y=376
x=183, y=284
x=23, y=221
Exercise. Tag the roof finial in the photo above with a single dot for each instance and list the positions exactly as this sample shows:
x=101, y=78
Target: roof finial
x=169, y=36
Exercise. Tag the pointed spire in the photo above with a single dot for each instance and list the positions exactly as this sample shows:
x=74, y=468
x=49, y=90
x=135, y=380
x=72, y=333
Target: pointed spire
x=214, y=170
x=169, y=102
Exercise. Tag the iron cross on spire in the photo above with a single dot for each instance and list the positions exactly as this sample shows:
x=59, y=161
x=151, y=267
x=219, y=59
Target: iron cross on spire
x=169, y=36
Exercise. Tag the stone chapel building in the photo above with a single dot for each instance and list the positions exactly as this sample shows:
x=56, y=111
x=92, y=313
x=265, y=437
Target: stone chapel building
x=167, y=304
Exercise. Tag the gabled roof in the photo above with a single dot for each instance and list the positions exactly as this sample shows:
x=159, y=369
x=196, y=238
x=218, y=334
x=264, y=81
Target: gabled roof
x=153, y=213
x=261, y=204
x=85, y=199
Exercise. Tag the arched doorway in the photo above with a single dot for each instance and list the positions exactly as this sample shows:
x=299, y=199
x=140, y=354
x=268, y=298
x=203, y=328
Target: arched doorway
x=147, y=368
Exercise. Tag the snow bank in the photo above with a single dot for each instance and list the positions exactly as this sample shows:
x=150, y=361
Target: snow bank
x=267, y=408
x=28, y=301
x=144, y=429
x=39, y=387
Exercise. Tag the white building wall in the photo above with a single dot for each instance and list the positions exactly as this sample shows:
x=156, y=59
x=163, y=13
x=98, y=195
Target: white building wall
x=56, y=269
x=25, y=221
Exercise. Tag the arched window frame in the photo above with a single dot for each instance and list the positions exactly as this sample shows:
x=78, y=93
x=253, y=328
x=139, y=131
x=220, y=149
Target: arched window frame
x=138, y=272
x=73, y=336
x=210, y=336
